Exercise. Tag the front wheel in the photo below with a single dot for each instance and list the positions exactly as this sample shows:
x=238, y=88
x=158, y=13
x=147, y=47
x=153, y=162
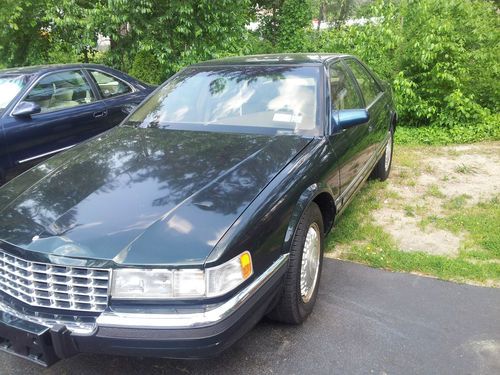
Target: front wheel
x=383, y=166
x=304, y=269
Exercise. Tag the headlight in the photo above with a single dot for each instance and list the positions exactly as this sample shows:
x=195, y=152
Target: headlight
x=131, y=283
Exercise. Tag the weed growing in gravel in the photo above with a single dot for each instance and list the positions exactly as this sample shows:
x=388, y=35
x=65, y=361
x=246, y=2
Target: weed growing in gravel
x=457, y=202
x=466, y=169
x=409, y=211
x=433, y=191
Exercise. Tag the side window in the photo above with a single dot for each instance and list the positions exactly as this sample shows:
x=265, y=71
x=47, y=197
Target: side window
x=109, y=86
x=369, y=87
x=61, y=90
x=343, y=89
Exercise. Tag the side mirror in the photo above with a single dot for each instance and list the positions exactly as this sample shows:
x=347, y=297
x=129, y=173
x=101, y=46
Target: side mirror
x=26, y=109
x=347, y=118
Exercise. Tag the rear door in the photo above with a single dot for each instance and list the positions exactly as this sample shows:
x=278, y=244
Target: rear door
x=375, y=104
x=69, y=113
x=119, y=97
x=348, y=144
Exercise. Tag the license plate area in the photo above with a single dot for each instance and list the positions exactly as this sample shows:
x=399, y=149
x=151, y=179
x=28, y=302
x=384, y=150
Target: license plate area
x=26, y=339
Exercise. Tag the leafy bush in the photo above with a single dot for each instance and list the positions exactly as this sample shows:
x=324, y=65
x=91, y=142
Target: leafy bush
x=147, y=68
x=442, y=59
x=294, y=18
x=435, y=135
x=283, y=26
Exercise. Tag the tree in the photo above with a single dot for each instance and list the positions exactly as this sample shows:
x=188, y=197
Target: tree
x=283, y=23
x=333, y=11
x=24, y=35
x=176, y=32
x=441, y=58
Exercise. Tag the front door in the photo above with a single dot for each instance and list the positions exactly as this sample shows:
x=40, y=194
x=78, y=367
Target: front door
x=69, y=112
x=349, y=144
x=375, y=104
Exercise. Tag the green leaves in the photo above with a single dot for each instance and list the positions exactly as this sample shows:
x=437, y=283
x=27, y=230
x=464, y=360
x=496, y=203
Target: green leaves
x=283, y=26
x=174, y=33
x=442, y=58
x=293, y=19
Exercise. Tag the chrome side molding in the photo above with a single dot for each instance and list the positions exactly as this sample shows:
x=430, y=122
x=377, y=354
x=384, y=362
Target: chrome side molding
x=45, y=154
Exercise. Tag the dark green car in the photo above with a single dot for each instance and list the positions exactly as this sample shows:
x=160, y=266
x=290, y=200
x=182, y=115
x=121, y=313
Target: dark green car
x=172, y=234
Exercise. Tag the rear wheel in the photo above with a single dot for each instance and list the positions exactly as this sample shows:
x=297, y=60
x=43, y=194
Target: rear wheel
x=383, y=166
x=304, y=269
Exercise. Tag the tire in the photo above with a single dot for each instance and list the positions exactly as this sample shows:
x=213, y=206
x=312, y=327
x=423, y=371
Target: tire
x=295, y=304
x=2, y=177
x=383, y=167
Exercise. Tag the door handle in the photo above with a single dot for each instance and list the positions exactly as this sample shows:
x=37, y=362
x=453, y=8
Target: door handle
x=128, y=108
x=100, y=114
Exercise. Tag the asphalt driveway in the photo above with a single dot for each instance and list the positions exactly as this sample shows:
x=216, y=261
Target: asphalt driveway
x=366, y=321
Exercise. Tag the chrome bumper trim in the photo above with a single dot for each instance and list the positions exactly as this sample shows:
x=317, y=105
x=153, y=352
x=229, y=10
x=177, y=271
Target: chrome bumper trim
x=190, y=320
x=81, y=328
x=154, y=320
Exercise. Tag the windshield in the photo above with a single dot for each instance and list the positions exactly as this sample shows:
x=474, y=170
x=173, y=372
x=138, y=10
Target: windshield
x=254, y=99
x=10, y=86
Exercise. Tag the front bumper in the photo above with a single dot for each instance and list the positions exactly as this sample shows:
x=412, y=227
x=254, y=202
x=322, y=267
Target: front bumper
x=151, y=334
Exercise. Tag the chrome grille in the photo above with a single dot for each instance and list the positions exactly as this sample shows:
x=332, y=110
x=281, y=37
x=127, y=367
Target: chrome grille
x=54, y=286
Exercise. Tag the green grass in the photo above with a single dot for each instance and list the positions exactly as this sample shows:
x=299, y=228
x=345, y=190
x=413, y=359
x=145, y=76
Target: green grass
x=457, y=203
x=409, y=211
x=481, y=222
x=366, y=242
x=433, y=191
x=435, y=135
x=456, y=269
x=351, y=226
x=466, y=169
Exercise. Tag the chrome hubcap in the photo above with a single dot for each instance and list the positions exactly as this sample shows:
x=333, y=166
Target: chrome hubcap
x=388, y=152
x=309, y=269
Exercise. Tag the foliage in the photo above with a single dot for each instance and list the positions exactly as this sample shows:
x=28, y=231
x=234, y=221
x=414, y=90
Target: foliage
x=283, y=25
x=489, y=129
x=442, y=59
x=333, y=11
x=147, y=66
x=176, y=33
x=293, y=19
x=23, y=37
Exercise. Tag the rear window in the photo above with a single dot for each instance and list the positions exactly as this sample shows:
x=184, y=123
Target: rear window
x=109, y=86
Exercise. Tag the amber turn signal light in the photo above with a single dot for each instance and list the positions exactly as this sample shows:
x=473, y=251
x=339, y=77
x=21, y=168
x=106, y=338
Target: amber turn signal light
x=246, y=265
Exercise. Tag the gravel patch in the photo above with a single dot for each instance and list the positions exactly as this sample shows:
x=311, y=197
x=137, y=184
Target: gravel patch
x=423, y=182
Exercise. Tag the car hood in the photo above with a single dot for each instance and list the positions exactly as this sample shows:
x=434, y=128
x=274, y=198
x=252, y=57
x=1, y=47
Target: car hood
x=141, y=196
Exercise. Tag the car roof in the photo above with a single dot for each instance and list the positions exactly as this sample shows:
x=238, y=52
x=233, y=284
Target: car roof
x=275, y=59
x=269, y=59
x=49, y=68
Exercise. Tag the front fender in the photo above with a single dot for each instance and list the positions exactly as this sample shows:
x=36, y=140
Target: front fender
x=303, y=202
